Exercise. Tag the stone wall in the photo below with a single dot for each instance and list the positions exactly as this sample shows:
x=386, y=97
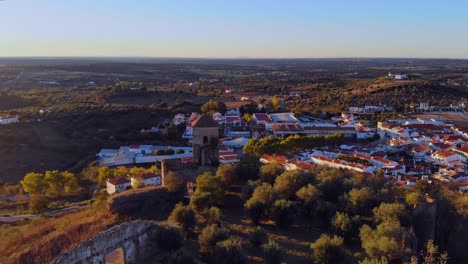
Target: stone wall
x=135, y=238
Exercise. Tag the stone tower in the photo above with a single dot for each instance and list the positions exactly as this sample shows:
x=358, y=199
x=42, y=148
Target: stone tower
x=205, y=141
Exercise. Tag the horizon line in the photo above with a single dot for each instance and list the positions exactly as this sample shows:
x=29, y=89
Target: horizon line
x=224, y=58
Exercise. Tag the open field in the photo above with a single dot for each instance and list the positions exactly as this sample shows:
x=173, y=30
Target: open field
x=458, y=118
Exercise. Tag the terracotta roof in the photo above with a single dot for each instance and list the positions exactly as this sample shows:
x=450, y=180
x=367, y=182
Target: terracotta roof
x=463, y=149
x=444, y=153
x=119, y=180
x=204, y=121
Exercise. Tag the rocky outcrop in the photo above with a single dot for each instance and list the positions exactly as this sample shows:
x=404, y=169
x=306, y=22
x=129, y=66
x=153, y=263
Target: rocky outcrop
x=147, y=203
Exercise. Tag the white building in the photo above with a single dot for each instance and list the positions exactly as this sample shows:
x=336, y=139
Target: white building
x=117, y=185
x=145, y=179
x=5, y=120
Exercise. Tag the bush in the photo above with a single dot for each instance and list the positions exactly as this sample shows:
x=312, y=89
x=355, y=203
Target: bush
x=329, y=249
x=169, y=238
x=289, y=182
x=173, y=182
x=180, y=151
x=283, y=212
x=272, y=252
x=248, y=189
x=38, y=204
x=229, y=252
x=387, y=211
x=215, y=216
x=211, y=184
x=208, y=238
x=256, y=210
x=413, y=198
x=382, y=260
x=269, y=172
x=228, y=173
x=184, y=216
x=201, y=201
x=160, y=152
x=169, y=151
x=258, y=237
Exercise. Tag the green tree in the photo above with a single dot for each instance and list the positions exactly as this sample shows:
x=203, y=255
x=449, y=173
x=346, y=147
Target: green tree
x=71, y=182
x=361, y=200
x=344, y=223
x=213, y=106
x=283, y=212
x=38, y=203
x=258, y=206
x=413, y=198
x=201, y=201
x=289, y=182
x=381, y=260
x=209, y=236
x=211, y=184
x=308, y=196
x=34, y=183
x=329, y=249
x=275, y=101
x=104, y=173
x=431, y=254
x=121, y=171
x=228, y=173
x=215, y=216
x=270, y=171
x=384, y=241
x=55, y=182
x=184, y=216
x=173, y=182
x=388, y=211
x=229, y=252
x=273, y=252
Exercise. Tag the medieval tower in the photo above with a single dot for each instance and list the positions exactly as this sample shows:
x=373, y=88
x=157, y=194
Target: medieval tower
x=205, y=141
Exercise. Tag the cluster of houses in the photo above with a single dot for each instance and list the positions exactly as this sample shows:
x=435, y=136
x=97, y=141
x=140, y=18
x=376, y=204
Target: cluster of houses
x=409, y=150
x=138, y=154
x=120, y=184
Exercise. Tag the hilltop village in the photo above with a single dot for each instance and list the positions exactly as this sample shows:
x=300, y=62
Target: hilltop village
x=405, y=150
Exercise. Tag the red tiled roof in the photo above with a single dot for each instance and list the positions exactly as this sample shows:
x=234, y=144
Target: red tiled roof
x=118, y=181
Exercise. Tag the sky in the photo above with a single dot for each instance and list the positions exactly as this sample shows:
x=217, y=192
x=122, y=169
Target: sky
x=235, y=29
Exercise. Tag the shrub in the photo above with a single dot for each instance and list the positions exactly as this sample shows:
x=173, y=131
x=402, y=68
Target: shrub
x=269, y=172
x=382, y=260
x=208, y=238
x=169, y=238
x=248, y=189
x=184, y=216
x=228, y=173
x=329, y=249
x=388, y=211
x=169, y=151
x=180, y=151
x=159, y=152
x=213, y=185
x=256, y=210
x=38, y=204
x=258, y=237
x=283, y=212
x=289, y=182
x=229, y=252
x=201, y=201
x=272, y=252
x=215, y=216
x=173, y=182
x=413, y=198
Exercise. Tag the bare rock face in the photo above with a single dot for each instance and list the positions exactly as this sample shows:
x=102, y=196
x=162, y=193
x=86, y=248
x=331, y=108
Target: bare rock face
x=147, y=203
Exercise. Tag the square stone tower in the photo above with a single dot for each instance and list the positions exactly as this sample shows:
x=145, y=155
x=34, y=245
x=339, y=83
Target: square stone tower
x=205, y=140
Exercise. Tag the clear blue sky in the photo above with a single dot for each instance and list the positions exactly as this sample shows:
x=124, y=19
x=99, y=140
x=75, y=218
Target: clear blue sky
x=238, y=28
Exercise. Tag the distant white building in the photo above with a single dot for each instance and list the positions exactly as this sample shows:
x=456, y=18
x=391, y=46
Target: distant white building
x=424, y=106
x=117, y=185
x=391, y=76
x=5, y=120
